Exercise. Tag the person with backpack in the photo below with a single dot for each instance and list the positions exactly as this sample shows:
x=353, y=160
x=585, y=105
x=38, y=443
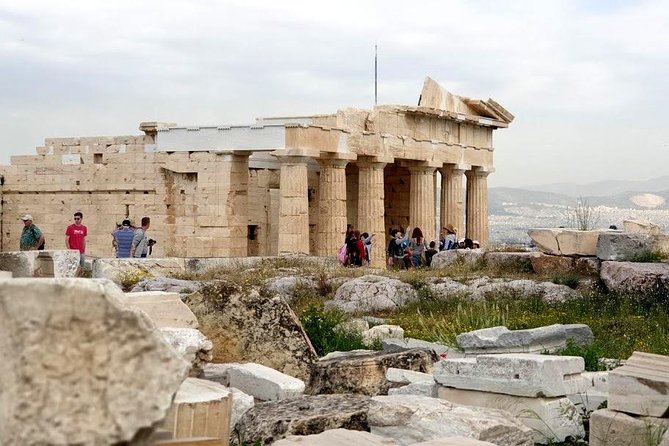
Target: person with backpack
x=396, y=246
x=356, y=249
x=31, y=237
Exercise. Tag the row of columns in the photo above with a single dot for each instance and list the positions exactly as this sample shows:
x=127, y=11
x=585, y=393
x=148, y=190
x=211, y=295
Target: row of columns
x=294, y=205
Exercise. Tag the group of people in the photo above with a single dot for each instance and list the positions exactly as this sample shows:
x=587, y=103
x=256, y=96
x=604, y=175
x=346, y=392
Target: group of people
x=127, y=240
x=357, y=248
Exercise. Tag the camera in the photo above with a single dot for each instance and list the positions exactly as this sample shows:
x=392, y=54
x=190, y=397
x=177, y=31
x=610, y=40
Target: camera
x=152, y=242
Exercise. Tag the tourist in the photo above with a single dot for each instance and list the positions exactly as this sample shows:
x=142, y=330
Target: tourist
x=75, y=236
x=418, y=246
x=367, y=241
x=407, y=259
x=140, y=242
x=123, y=237
x=475, y=244
x=31, y=237
x=349, y=231
x=398, y=242
x=449, y=240
x=467, y=243
x=355, y=249
x=430, y=253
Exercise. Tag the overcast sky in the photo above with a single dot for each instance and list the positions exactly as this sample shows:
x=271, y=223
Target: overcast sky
x=588, y=81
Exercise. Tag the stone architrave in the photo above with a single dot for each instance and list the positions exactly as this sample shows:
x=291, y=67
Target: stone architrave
x=502, y=340
x=294, y=205
x=305, y=415
x=551, y=419
x=164, y=309
x=477, y=205
x=371, y=207
x=611, y=428
x=641, y=386
x=520, y=374
x=80, y=366
x=421, y=200
x=201, y=408
x=331, y=206
x=410, y=419
x=366, y=373
x=452, y=198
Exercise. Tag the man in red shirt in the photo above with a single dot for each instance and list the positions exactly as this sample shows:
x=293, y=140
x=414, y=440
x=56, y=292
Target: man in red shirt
x=75, y=236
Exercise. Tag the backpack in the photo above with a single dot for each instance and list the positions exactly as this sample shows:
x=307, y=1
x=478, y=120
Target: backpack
x=342, y=255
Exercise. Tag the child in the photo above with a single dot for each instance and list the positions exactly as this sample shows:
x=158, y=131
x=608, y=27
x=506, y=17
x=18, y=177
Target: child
x=408, y=257
x=430, y=253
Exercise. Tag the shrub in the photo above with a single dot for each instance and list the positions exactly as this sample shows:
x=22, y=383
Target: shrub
x=649, y=256
x=591, y=354
x=569, y=279
x=321, y=323
x=129, y=278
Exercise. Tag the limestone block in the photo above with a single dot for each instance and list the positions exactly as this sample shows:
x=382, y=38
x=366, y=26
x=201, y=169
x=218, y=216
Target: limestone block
x=336, y=437
x=6, y=275
x=371, y=293
x=641, y=227
x=164, y=309
x=620, y=246
x=305, y=415
x=409, y=419
x=595, y=394
x=191, y=345
x=502, y=340
x=402, y=376
x=79, y=366
x=19, y=263
x=515, y=260
x=442, y=351
x=551, y=264
x=445, y=259
x=551, y=419
x=577, y=243
x=381, y=332
x=261, y=382
x=546, y=240
x=641, y=386
x=454, y=441
x=634, y=277
x=366, y=373
x=520, y=374
x=587, y=265
x=422, y=388
x=113, y=269
x=611, y=428
x=201, y=408
x=241, y=403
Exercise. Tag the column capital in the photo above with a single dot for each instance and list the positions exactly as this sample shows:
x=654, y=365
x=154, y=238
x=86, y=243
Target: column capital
x=290, y=158
x=479, y=171
x=377, y=159
x=455, y=168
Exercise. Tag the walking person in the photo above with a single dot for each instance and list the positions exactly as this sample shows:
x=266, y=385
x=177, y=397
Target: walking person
x=31, y=236
x=140, y=242
x=123, y=237
x=75, y=236
x=418, y=246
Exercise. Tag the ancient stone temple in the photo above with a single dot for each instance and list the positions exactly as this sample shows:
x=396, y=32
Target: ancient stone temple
x=283, y=185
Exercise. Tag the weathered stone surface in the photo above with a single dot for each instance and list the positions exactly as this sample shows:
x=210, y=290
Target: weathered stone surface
x=192, y=345
x=641, y=386
x=635, y=277
x=422, y=388
x=577, y=243
x=115, y=269
x=403, y=376
x=444, y=259
x=551, y=264
x=372, y=293
x=442, y=351
x=347, y=354
x=479, y=288
x=551, y=419
x=596, y=393
x=261, y=382
x=51, y=263
x=305, y=415
x=286, y=286
x=587, y=265
x=520, y=374
x=246, y=326
x=611, y=428
x=545, y=240
x=641, y=227
x=80, y=366
x=164, y=309
x=409, y=419
x=168, y=285
x=354, y=326
x=336, y=437
x=512, y=260
x=579, y=334
x=454, y=441
x=621, y=246
x=380, y=332
x=20, y=263
x=502, y=340
x=366, y=374
x=201, y=408
x=65, y=262
x=665, y=439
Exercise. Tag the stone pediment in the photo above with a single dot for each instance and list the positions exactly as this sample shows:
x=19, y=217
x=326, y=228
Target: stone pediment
x=433, y=96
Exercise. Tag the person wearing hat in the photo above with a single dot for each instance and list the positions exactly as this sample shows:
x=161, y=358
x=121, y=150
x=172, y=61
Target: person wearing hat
x=123, y=237
x=448, y=241
x=31, y=237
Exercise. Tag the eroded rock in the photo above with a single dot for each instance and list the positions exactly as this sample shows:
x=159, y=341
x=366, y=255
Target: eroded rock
x=372, y=293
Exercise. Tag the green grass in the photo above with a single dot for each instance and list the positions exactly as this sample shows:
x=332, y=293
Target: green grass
x=320, y=324
x=650, y=256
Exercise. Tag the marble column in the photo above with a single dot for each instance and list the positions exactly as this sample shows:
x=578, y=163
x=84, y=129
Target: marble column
x=477, y=205
x=452, y=198
x=331, y=206
x=293, y=205
x=421, y=200
x=371, y=210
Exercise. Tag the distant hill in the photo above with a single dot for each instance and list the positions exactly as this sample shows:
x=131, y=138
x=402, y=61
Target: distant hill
x=604, y=188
